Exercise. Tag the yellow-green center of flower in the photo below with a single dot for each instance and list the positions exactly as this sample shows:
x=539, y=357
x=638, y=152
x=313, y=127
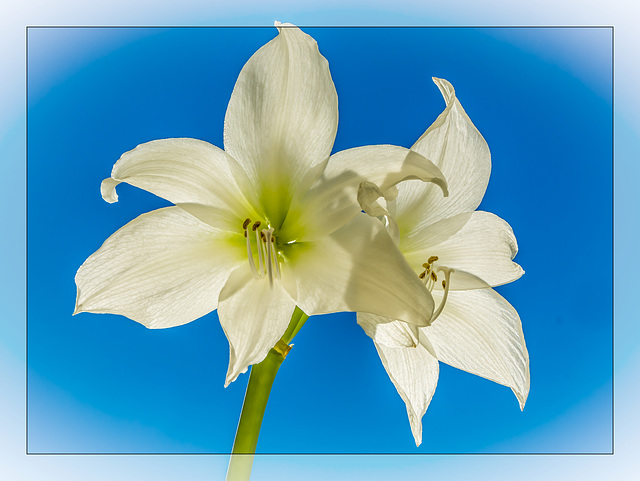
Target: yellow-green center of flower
x=430, y=278
x=268, y=264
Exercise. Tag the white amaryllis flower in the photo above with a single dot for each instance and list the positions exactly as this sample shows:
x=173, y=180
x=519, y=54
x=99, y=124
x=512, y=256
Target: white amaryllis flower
x=268, y=223
x=458, y=254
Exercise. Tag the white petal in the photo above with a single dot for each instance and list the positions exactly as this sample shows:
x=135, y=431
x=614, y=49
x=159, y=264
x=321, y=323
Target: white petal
x=414, y=373
x=358, y=268
x=481, y=333
x=484, y=246
x=389, y=332
x=332, y=201
x=254, y=317
x=454, y=145
x=163, y=269
x=181, y=171
x=282, y=117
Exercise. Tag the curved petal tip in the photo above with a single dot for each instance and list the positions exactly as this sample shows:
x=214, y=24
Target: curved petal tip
x=108, y=190
x=447, y=90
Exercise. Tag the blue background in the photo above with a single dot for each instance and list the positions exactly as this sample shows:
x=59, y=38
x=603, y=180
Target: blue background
x=100, y=383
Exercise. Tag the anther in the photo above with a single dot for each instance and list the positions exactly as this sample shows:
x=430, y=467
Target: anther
x=434, y=276
x=426, y=265
x=422, y=274
x=444, y=283
x=246, y=223
x=255, y=225
x=432, y=259
x=264, y=239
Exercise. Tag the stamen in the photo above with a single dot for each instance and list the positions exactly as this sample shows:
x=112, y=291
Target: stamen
x=426, y=265
x=268, y=233
x=434, y=276
x=422, y=274
x=259, y=247
x=445, y=284
x=246, y=223
x=263, y=249
x=432, y=259
x=255, y=225
x=250, y=254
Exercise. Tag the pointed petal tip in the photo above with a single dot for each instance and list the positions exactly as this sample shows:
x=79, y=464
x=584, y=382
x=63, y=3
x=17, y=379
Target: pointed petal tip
x=229, y=379
x=521, y=401
x=416, y=427
x=233, y=373
x=521, y=395
x=77, y=309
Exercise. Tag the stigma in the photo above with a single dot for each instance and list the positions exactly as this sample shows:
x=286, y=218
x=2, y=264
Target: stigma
x=264, y=242
x=430, y=278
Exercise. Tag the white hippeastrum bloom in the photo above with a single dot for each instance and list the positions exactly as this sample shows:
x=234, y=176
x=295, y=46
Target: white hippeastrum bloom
x=458, y=253
x=267, y=224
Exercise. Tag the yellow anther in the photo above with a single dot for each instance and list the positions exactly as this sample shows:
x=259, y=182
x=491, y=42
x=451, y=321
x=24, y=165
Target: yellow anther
x=434, y=276
x=255, y=225
x=246, y=223
x=432, y=259
x=421, y=276
x=426, y=265
x=444, y=284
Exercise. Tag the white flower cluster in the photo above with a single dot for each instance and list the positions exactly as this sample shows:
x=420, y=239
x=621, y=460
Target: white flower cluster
x=275, y=221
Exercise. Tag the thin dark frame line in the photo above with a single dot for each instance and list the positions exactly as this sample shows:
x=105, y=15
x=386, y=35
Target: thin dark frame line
x=611, y=27
x=326, y=26
x=613, y=223
x=26, y=240
x=325, y=454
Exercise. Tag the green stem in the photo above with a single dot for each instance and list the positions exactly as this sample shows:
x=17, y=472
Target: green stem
x=255, y=402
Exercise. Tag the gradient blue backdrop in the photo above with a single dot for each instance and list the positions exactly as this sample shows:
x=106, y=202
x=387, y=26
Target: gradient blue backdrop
x=102, y=383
